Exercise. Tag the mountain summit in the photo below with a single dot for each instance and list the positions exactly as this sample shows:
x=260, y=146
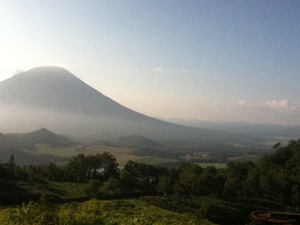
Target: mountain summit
x=54, y=98
x=56, y=89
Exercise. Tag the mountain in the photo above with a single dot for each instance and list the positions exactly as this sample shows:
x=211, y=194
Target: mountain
x=54, y=98
x=56, y=89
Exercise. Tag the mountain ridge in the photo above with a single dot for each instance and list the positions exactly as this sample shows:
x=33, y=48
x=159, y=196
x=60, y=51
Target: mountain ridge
x=265, y=130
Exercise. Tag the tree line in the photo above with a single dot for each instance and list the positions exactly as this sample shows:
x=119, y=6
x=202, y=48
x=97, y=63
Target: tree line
x=275, y=177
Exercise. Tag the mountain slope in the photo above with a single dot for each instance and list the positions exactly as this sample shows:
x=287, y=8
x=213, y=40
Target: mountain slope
x=54, y=98
x=56, y=89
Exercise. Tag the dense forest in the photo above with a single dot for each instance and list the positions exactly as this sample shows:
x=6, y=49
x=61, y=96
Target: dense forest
x=219, y=195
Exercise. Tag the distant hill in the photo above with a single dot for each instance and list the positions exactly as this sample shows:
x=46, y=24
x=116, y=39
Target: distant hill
x=27, y=158
x=22, y=146
x=29, y=140
x=256, y=130
x=54, y=98
x=44, y=136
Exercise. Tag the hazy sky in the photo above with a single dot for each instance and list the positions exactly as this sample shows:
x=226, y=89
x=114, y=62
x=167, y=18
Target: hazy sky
x=209, y=60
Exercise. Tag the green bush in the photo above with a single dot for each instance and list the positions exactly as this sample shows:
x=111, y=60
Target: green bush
x=33, y=214
x=87, y=213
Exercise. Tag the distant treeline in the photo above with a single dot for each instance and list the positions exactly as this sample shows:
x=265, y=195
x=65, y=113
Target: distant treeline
x=275, y=177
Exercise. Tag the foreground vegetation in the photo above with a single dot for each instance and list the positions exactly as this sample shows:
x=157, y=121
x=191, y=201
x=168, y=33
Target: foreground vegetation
x=95, y=212
x=92, y=189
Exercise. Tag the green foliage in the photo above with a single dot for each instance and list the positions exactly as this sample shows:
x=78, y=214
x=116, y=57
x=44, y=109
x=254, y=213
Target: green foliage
x=112, y=186
x=47, y=198
x=236, y=175
x=92, y=188
x=94, y=212
x=146, y=177
x=31, y=214
x=87, y=213
x=275, y=178
x=165, y=185
x=100, y=166
x=69, y=214
x=188, y=183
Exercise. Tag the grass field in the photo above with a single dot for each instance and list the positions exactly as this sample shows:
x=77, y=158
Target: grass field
x=245, y=158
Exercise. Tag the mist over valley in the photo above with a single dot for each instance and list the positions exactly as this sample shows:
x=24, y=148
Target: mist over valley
x=54, y=99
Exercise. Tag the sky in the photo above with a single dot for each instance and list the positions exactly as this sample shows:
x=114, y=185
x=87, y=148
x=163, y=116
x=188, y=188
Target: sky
x=203, y=59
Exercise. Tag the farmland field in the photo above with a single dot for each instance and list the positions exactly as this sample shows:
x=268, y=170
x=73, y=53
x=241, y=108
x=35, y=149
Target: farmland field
x=155, y=160
x=122, y=154
x=216, y=165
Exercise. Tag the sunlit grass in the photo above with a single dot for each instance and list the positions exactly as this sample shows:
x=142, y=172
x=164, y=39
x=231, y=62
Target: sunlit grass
x=122, y=212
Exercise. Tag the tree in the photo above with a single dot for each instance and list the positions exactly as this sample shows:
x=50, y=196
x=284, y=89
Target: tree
x=77, y=168
x=212, y=181
x=12, y=161
x=188, y=180
x=236, y=176
x=276, y=145
x=165, y=185
x=146, y=176
x=109, y=164
x=51, y=172
x=100, y=166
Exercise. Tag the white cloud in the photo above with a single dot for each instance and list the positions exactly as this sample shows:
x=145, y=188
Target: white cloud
x=243, y=103
x=158, y=69
x=278, y=105
x=168, y=71
x=18, y=70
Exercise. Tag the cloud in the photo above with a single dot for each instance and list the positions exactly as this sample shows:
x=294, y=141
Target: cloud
x=242, y=103
x=280, y=104
x=168, y=71
x=18, y=70
x=275, y=104
x=158, y=69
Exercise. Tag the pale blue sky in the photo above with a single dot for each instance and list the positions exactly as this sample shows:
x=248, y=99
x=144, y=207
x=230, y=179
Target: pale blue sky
x=207, y=60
